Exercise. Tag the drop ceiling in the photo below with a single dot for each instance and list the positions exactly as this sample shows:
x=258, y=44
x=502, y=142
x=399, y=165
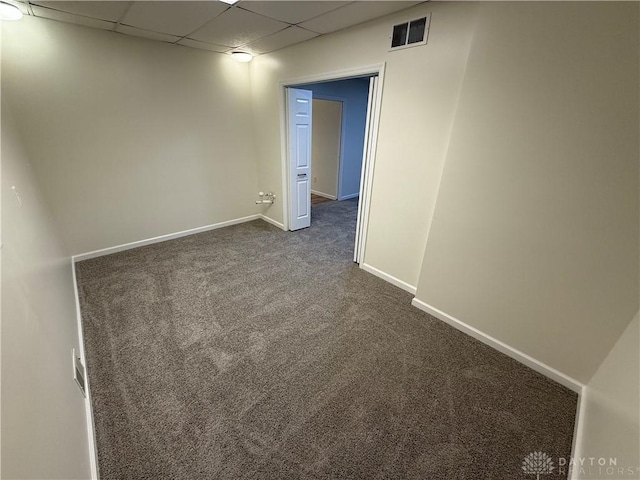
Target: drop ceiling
x=255, y=26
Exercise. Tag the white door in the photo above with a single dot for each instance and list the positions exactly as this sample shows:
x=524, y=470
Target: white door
x=366, y=175
x=299, y=138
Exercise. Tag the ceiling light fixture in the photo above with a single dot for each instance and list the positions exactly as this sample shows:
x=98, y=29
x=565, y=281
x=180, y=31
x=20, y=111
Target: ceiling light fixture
x=230, y=2
x=241, y=56
x=9, y=12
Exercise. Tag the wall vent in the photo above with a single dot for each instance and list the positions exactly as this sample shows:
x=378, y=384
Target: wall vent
x=411, y=33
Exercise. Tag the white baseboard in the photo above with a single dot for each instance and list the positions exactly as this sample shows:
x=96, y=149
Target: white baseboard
x=578, y=432
x=272, y=221
x=162, y=238
x=93, y=453
x=325, y=195
x=385, y=276
x=91, y=433
x=523, y=358
x=350, y=196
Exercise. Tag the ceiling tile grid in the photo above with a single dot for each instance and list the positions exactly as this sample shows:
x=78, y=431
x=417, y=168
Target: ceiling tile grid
x=353, y=14
x=237, y=27
x=108, y=11
x=255, y=26
x=283, y=38
x=150, y=34
x=291, y=12
x=173, y=18
x=71, y=18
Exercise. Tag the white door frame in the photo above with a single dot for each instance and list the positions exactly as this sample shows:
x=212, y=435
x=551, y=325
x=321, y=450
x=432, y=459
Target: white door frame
x=367, y=184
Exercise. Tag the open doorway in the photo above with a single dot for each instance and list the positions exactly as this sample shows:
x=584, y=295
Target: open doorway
x=327, y=149
x=339, y=113
x=329, y=134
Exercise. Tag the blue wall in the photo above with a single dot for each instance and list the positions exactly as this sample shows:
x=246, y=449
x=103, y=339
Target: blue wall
x=355, y=93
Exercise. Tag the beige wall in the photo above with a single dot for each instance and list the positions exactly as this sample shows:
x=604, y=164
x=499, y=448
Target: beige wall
x=534, y=239
x=131, y=138
x=529, y=108
x=421, y=87
x=327, y=128
x=611, y=425
x=43, y=412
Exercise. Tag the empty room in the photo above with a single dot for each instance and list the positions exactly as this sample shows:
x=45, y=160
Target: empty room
x=320, y=240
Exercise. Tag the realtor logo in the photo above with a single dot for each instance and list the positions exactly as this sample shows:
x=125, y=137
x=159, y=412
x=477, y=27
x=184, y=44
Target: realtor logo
x=537, y=463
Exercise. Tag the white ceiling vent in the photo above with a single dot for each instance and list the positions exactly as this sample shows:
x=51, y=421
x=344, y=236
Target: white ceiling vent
x=411, y=33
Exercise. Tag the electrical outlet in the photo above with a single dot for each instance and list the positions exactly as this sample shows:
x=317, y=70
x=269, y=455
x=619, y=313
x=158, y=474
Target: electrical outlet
x=79, y=372
x=315, y=179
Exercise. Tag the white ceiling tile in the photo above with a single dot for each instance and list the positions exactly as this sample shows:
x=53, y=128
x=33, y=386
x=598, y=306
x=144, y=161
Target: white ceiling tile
x=291, y=12
x=138, y=32
x=236, y=27
x=70, y=18
x=278, y=40
x=353, y=14
x=203, y=46
x=110, y=11
x=175, y=18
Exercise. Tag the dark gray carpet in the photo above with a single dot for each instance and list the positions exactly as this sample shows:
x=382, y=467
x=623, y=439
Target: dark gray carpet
x=249, y=352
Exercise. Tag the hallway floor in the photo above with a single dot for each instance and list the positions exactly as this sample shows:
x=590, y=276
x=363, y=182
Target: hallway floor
x=315, y=199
